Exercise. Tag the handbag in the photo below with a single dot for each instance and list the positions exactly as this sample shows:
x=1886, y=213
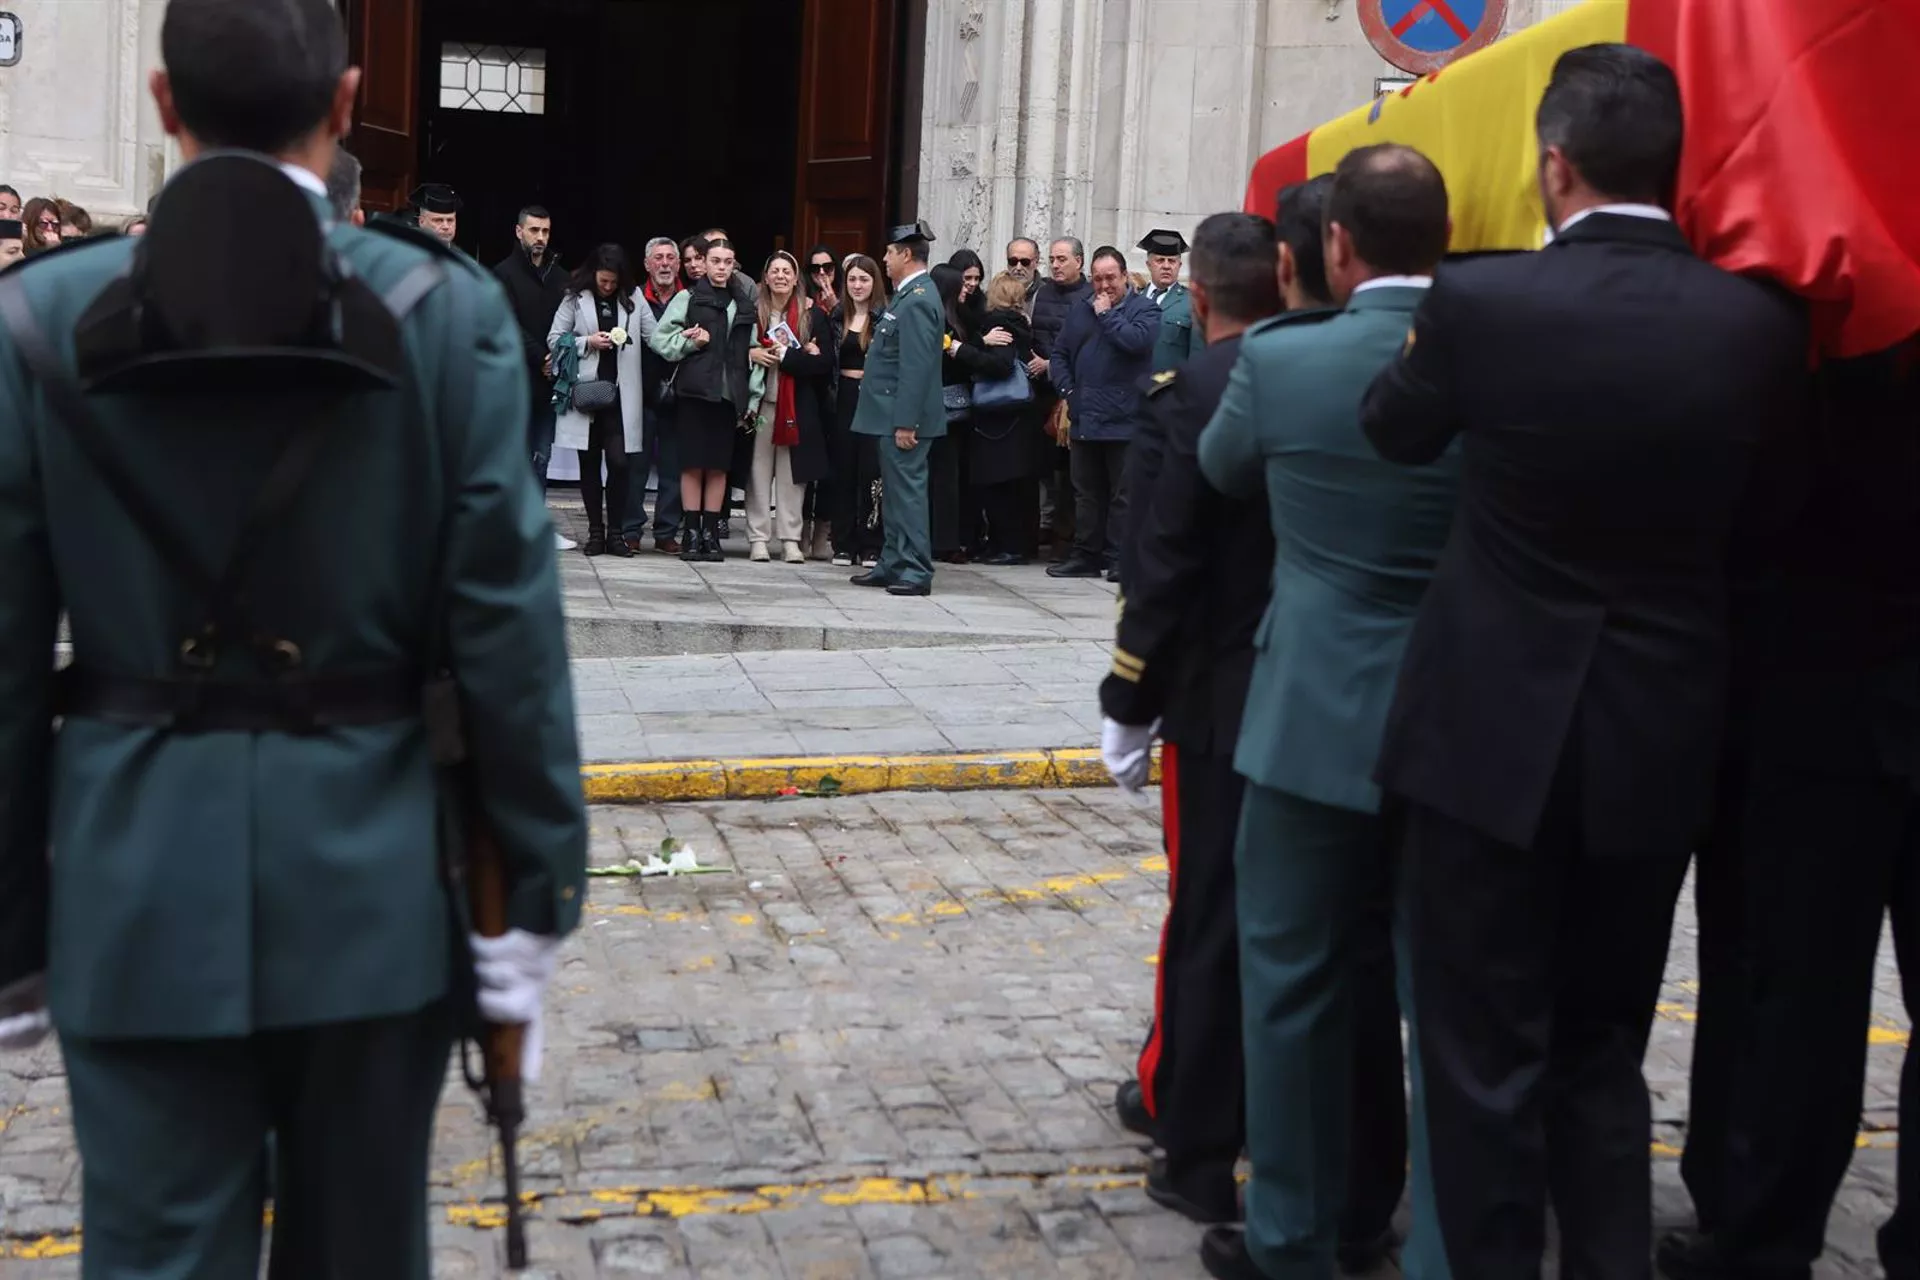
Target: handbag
x=591, y=397
x=958, y=398
x=664, y=396
x=1015, y=389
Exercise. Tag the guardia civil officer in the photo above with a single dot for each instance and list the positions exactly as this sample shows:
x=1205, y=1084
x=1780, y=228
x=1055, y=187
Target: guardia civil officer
x=1557, y=726
x=1179, y=335
x=243, y=929
x=438, y=207
x=900, y=401
x=1357, y=539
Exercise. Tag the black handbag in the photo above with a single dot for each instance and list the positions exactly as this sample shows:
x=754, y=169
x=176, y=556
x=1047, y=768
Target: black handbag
x=664, y=396
x=591, y=397
x=958, y=398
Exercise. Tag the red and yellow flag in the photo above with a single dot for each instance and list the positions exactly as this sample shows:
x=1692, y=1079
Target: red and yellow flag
x=1799, y=116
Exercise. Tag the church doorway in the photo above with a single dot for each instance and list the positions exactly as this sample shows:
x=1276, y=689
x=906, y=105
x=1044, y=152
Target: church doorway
x=779, y=120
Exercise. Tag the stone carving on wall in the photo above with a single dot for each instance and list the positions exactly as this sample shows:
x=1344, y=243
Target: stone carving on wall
x=973, y=21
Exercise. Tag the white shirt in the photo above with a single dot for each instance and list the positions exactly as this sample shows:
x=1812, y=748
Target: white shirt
x=305, y=178
x=1394, y=282
x=901, y=287
x=1652, y=212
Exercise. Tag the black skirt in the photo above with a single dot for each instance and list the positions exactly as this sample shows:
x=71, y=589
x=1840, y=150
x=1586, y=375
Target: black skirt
x=707, y=430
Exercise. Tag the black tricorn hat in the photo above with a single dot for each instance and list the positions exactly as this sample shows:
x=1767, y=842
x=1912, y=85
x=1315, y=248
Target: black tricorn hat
x=909, y=232
x=1166, y=242
x=12, y=229
x=436, y=197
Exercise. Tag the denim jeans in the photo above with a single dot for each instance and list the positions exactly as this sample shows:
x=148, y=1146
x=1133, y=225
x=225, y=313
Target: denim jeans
x=540, y=438
x=662, y=456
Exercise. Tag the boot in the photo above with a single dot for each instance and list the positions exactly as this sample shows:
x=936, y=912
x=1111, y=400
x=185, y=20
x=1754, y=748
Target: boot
x=693, y=534
x=716, y=554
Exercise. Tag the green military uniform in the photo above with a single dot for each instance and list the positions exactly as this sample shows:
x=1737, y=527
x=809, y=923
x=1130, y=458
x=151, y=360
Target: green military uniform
x=902, y=390
x=246, y=932
x=1357, y=539
x=1179, y=337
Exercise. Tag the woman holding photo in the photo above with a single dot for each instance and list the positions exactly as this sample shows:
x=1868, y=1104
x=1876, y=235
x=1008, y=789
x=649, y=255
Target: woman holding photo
x=794, y=377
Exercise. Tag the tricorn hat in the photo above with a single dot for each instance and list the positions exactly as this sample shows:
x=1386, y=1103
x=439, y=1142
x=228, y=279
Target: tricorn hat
x=908, y=233
x=12, y=229
x=1171, y=243
x=435, y=197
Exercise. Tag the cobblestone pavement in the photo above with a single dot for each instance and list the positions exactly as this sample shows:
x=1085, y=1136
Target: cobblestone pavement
x=880, y=1047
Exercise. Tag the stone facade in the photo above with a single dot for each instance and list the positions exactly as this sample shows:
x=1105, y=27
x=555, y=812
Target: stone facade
x=1096, y=118
x=1104, y=119
x=76, y=119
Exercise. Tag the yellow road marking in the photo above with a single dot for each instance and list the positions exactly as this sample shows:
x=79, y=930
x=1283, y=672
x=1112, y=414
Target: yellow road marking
x=672, y=781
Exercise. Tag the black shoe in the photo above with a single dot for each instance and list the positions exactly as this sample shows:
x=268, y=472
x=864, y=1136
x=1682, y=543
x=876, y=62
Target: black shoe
x=1223, y=1206
x=1001, y=559
x=1130, y=1104
x=620, y=547
x=909, y=589
x=1364, y=1257
x=1075, y=567
x=690, y=551
x=595, y=545
x=1223, y=1252
x=1113, y=575
x=1695, y=1255
x=726, y=531
x=871, y=578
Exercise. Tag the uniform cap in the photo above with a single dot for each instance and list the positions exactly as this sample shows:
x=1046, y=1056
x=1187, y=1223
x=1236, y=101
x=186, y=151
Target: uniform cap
x=910, y=232
x=12, y=229
x=436, y=197
x=1166, y=242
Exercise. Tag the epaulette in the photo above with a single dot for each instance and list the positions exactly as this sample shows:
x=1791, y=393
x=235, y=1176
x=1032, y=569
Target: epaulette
x=1160, y=381
x=1307, y=315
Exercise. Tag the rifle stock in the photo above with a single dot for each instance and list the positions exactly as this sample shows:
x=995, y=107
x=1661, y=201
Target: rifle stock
x=500, y=1044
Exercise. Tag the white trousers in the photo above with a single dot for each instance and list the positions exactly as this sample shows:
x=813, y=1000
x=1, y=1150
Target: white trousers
x=773, y=486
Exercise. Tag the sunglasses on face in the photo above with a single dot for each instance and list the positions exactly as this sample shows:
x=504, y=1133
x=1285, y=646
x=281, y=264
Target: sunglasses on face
x=50, y=224
x=823, y=268
x=1019, y=262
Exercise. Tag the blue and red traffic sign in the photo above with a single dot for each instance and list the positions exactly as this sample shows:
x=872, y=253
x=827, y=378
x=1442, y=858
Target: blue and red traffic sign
x=1422, y=36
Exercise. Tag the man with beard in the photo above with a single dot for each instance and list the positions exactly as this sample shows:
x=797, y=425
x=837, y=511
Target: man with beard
x=662, y=449
x=535, y=284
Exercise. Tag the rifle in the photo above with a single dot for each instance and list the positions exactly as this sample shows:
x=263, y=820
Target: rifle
x=477, y=884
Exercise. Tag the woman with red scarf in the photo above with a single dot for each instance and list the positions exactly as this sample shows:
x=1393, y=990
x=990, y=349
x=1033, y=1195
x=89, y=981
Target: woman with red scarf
x=790, y=411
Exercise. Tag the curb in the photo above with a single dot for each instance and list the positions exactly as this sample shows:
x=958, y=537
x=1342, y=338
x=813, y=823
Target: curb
x=671, y=781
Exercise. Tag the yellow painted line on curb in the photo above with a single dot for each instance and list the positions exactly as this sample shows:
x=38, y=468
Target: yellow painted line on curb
x=763, y=778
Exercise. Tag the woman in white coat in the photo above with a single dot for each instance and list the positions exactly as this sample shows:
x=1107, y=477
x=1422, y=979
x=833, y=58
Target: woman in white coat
x=609, y=321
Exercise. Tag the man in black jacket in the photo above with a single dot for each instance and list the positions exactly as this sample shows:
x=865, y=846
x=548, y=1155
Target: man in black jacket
x=535, y=285
x=1558, y=718
x=1066, y=285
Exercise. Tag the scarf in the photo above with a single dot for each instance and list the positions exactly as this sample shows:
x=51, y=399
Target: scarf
x=653, y=295
x=786, y=426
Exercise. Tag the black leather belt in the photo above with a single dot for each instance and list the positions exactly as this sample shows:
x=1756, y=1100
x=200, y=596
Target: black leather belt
x=296, y=703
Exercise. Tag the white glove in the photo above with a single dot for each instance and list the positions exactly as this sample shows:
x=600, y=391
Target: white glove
x=23, y=1013
x=513, y=971
x=1127, y=751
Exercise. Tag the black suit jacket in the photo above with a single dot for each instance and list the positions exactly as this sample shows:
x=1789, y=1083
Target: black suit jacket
x=1196, y=571
x=1614, y=393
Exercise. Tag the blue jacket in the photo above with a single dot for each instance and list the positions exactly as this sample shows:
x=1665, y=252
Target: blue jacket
x=1099, y=363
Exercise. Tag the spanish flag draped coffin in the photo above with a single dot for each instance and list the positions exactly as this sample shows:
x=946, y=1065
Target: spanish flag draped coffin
x=1801, y=119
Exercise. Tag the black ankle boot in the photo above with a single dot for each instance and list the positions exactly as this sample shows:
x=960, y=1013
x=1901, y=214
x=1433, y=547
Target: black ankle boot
x=715, y=553
x=693, y=536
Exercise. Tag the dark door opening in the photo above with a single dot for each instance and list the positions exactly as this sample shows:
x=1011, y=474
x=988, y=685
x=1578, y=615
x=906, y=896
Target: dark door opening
x=660, y=117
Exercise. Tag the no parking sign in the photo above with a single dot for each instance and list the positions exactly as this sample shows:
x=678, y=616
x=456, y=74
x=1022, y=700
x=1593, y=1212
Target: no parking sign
x=1423, y=36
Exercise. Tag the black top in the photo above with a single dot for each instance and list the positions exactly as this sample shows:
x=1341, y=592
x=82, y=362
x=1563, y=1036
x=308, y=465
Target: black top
x=609, y=310
x=852, y=354
x=1611, y=395
x=1197, y=567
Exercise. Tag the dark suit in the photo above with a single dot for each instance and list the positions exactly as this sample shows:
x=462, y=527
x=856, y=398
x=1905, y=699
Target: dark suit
x=1817, y=836
x=1196, y=563
x=1558, y=719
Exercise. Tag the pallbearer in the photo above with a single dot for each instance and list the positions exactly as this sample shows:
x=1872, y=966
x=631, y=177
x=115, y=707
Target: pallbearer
x=272, y=516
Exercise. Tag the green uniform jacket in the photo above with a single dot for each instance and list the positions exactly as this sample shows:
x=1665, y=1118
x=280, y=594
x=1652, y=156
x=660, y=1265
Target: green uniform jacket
x=216, y=884
x=902, y=386
x=1358, y=538
x=1179, y=338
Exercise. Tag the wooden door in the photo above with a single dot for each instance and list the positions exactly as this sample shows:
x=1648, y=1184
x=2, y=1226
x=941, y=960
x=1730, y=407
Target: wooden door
x=384, y=39
x=846, y=117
